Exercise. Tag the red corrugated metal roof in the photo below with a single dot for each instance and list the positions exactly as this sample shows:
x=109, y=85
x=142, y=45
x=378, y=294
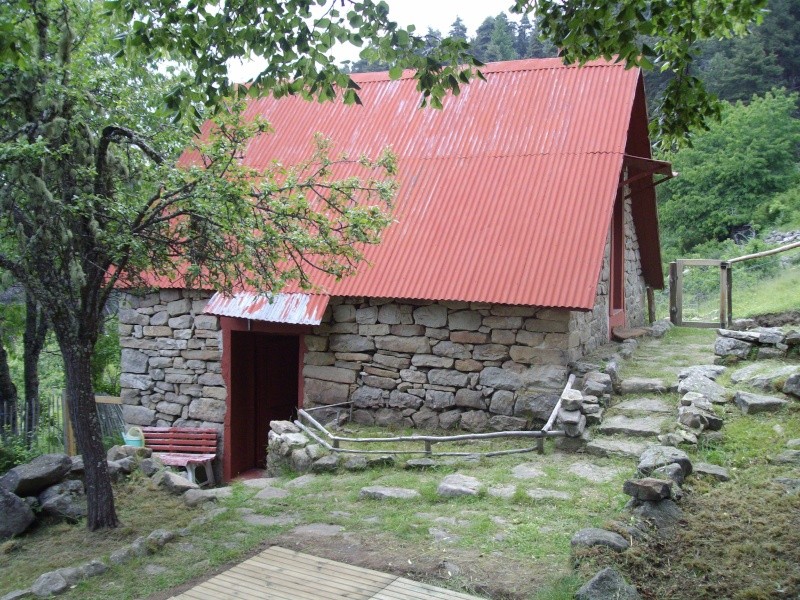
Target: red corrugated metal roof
x=295, y=309
x=505, y=196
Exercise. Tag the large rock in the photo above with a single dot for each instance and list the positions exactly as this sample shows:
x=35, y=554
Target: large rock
x=49, y=584
x=458, y=485
x=767, y=379
x=500, y=379
x=709, y=470
x=648, y=488
x=792, y=385
x=612, y=447
x=725, y=346
x=596, y=384
x=755, y=403
x=659, y=456
x=592, y=536
x=138, y=415
x=173, y=483
x=703, y=385
x=538, y=407
x=66, y=500
x=709, y=371
x=608, y=584
x=662, y=515
x=15, y=515
x=697, y=418
x=787, y=457
x=475, y=421
x=31, y=478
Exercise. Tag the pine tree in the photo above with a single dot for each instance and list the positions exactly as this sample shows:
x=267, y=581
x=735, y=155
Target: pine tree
x=458, y=29
x=501, y=44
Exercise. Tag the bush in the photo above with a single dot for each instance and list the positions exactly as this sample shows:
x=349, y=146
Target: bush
x=13, y=451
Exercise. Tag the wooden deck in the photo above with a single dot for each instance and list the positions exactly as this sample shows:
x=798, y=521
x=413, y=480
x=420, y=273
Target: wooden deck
x=280, y=574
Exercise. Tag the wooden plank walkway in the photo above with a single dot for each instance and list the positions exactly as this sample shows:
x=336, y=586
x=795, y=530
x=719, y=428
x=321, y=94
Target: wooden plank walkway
x=281, y=574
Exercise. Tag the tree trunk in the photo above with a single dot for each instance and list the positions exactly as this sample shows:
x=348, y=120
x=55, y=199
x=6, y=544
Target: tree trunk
x=8, y=396
x=83, y=414
x=34, y=338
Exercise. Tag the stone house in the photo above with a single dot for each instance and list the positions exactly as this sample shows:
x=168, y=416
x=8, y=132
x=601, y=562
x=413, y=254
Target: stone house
x=525, y=231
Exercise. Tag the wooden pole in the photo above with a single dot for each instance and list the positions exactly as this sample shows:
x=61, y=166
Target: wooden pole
x=651, y=305
x=674, y=316
x=764, y=253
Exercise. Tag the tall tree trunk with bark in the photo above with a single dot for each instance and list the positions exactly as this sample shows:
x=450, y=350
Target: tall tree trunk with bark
x=8, y=396
x=77, y=355
x=34, y=338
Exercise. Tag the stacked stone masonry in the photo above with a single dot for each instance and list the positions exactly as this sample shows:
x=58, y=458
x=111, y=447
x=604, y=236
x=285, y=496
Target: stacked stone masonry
x=171, y=361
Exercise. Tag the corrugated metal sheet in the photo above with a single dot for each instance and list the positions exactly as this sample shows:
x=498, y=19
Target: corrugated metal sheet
x=293, y=309
x=505, y=196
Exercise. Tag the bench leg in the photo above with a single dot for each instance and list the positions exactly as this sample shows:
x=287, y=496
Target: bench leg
x=209, y=474
x=190, y=473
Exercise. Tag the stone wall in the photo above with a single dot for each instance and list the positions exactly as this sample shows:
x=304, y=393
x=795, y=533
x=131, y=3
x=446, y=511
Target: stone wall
x=440, y=364
x=171, y=353
x=635, y=295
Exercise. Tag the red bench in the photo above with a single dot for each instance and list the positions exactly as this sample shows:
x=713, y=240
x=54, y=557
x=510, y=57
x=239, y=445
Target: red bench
x=184, y=447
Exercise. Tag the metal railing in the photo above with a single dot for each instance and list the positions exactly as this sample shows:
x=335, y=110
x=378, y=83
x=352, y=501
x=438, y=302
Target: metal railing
x=318, y=433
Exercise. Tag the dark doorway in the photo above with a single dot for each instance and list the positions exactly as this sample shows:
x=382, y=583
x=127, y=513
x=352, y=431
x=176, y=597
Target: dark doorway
x=616, y=301
x=263, y=388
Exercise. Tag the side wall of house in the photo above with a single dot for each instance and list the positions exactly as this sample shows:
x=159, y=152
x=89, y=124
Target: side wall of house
x=171, y=361
x=439, y=364
x=592, y=326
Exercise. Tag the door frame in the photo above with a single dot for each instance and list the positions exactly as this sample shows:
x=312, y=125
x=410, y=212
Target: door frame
x=616, y=275
x=231, y=324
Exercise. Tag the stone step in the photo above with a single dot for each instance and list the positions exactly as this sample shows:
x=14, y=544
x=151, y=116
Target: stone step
x=632, y=426
x=644, y=405
x=612, y=447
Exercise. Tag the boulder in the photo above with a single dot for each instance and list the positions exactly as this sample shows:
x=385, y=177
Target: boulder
x=792, y=385
x=703, y=385
x=500, y=379
x=458, y=485
x=173, y=483
x=756, y=403
x=660, y=327
x=48, y=584
x=15, y=515
x=596, y=384
x=662, y=515
x=787, y=457
x=42, y=472
x=538, y=407
x=659, y=456
x=648, y=488
x=571, y=400
x=697, y=418
x=593, y=536
x=195, y=497
x=725, y=346
x=475, y=421
x=608, y=584
x=671, y=471
x=355, y=463
x=66, y=500
x=767, y=379
x=708, y=371
x=326, y=464
x=709, y=470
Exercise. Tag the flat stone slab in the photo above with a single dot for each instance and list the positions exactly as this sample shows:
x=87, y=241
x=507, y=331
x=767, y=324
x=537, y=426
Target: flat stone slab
x=260, y=482
x=611, y=447
x=271, y=493
x=318, y=530
x=648, y=405
x=641, y=385
x=458, y=485
x=660, y=456
x=634, y=427
x=545, y=494
x=594, y=473
x=705, y=386
x=787, y=457
x=502, y=491
x=527, y=471
x=592, y=536
x=378, y=492
x=442, y=535
x=709, y=470
x=760, y=377
x=756, y=403
x=708, y=371
x=301, y=481
x=790, y=484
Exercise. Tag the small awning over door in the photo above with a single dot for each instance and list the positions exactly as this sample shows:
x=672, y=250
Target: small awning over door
x=292, y=309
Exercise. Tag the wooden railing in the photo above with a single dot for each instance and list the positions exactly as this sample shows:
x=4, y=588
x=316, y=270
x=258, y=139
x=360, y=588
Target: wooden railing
x=332, y=442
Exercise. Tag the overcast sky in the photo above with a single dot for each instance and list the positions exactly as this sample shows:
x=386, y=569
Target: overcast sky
x=437, y=14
